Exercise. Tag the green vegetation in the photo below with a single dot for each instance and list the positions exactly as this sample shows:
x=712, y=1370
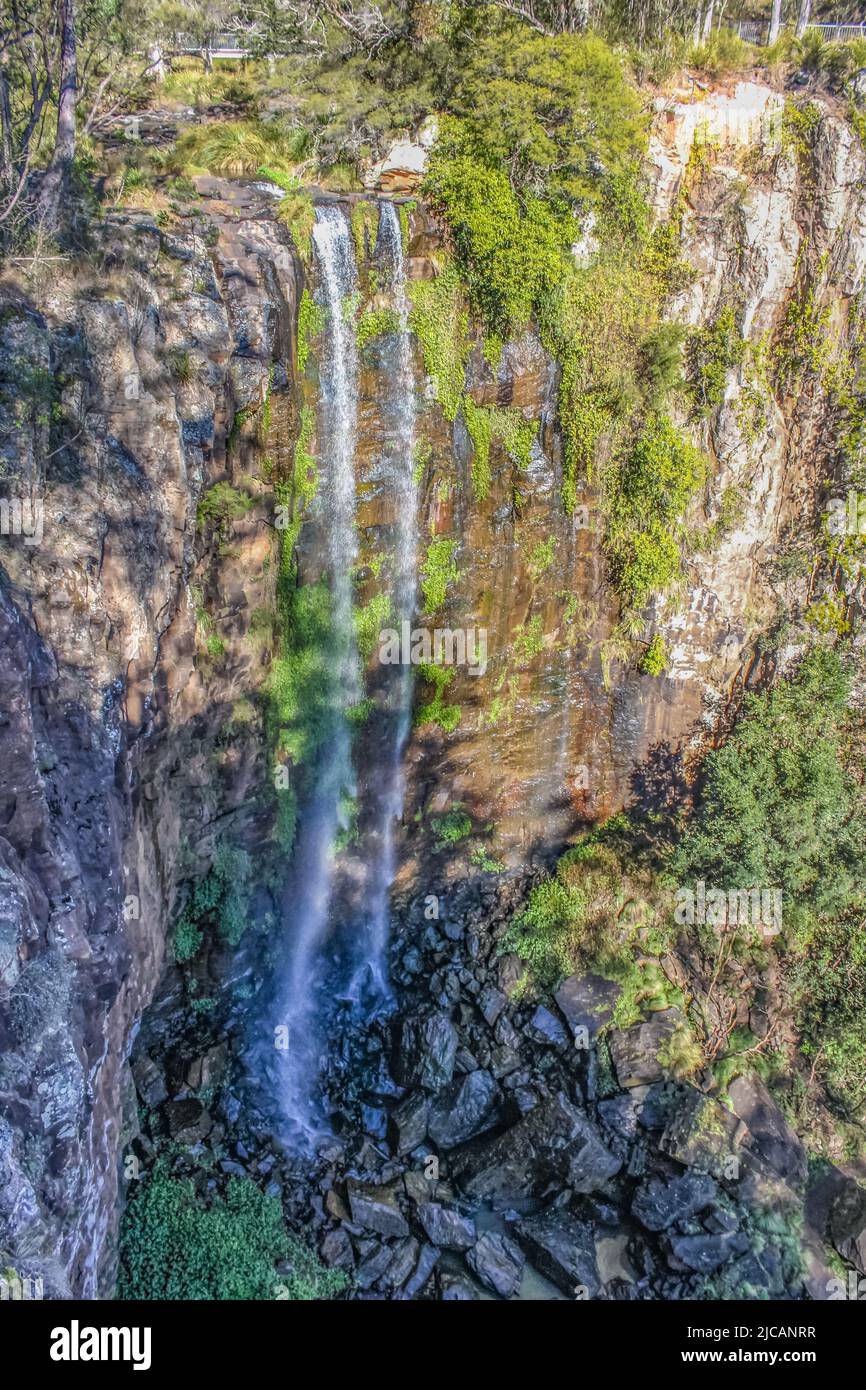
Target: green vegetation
x=311, y=321
x=777, y=806
x=237, y=148
x=451, y=828
x=175, y=1247
x=221, y=504
x=295, y=211
x=438, y=571
x=218, y=903
x=655, y=659
x=373, y=323
x=436, y=711
x=484, y=423
x=369, y=622
x=713, y=352
x=647, y=496
x=439, y=320
x=365, y=226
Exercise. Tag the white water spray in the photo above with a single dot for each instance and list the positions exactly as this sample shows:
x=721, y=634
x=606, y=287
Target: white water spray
x=308, y=900
x=403, y=592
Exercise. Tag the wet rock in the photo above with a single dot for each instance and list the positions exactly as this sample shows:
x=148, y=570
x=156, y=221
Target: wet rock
x=374, y=1267
x=376, y=1209
x=453, y=1288
x=447, y=1227
x=404, y=1261
x=704, y=1254
x=426, y=1051
x=336, y=1250
x=554, y=1142
x=635, y=1051
x=491, y=1002
x=586, y=1002
x=498, y=1263
x=467, y=1108
x=187, y=1120
x=661, y=1202
x=546, y=1029
x=149, y=1081
x=407, y=1125
x=562, y=1248
x=427, y=1259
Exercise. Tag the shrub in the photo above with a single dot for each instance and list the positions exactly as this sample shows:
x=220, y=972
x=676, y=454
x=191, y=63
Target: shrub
x=175, y=1247
x=373, y=323
x=439, y=321
x=311, y=321
x=369, y=622
x=655, y=658
x=435, y=711
x=219, y=902
x=451, y=828
x=438, y=571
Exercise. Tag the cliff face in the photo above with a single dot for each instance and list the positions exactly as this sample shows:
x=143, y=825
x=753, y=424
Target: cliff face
x=132, y=741
x=125, y=751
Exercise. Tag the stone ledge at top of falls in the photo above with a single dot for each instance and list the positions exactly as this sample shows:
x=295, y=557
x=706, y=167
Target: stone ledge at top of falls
x=403, y=167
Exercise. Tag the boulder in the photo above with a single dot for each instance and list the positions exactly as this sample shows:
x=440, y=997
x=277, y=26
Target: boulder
x=407, y=1124
x=447, y=1227
x=546, y=1029
x=454, y=1288
x=635, y=1051
x=497, y=1262
x=771, y=1136
x=659, y=1203
x=466, y=1108
x=426, y=1263
x=586, y=1002
x=375, y=1208
x=562, y=1248
x=554, y=1142
x=848, y=1225
x=704, y=1254
x=425, y=1051
x=703, y=1133
x=187, y=1120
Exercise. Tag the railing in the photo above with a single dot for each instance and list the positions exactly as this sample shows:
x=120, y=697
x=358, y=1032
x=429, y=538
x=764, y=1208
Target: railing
x=758, y=30
x=229, y=44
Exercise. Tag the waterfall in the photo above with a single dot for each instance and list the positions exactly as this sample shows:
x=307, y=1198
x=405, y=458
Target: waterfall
x=307, y=902
x=371, y=971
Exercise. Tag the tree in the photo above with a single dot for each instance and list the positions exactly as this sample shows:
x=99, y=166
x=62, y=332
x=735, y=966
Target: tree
x=775, y=21
x=803, y=17
x=55, y=184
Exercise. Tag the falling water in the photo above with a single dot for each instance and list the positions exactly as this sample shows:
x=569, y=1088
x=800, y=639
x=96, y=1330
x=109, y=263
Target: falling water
x=308, y=899
x=382, y=863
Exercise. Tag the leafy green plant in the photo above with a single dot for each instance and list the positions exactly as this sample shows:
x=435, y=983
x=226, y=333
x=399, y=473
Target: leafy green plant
x=436, y=711
x=451, y=828
x=438, y=571
x=176, y=1247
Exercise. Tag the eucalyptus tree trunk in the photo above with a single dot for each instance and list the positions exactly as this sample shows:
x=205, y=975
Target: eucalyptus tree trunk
x=55, y=184
x=803, y=17
x=775, y=21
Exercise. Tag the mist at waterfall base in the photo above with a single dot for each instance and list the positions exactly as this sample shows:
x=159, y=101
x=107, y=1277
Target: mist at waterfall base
x=332, y=994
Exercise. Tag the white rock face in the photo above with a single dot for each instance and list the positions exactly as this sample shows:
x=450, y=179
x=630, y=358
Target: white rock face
x=759, y=225
x=403, y=167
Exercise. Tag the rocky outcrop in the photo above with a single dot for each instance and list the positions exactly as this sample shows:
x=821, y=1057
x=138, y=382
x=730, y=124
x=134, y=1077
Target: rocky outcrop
x=123, y=757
